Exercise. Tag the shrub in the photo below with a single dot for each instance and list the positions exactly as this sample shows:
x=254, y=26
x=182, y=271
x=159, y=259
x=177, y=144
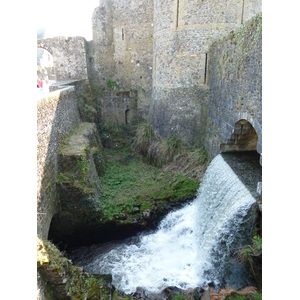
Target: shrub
x=174, y=146
x=172, y=153
x=145, y=135
x=202, y=155
x=248, y=252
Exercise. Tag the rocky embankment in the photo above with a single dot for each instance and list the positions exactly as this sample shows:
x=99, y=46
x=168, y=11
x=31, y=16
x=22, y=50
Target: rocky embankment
x=91, y=184
x=63, y=280
x=112, y=192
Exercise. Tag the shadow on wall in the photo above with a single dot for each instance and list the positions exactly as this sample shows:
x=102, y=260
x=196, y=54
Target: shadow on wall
x=119, y=108
x=243, y=138
x=127, y=117
x=242, y=147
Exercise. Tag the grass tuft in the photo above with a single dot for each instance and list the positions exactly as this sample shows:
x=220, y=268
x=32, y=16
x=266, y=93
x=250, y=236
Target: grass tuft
x=144, y=137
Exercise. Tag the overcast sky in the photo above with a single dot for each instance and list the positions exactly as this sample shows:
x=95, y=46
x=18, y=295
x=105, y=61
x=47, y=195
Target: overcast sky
x=66, y=17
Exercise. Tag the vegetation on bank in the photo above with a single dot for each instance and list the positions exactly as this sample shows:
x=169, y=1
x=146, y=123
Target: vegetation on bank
x=144, y=173
x=131, y=185
x=237, y=296
x=172, y=153
x=140, y=173
x=251, y=256
x=134, y=178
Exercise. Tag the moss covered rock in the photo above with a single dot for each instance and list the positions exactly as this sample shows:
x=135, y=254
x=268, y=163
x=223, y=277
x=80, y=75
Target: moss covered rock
x=80, y=163
x=66, y=281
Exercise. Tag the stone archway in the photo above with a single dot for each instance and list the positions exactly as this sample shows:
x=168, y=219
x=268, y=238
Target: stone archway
x=69, y=56
x=243, y=138
x=45, y=65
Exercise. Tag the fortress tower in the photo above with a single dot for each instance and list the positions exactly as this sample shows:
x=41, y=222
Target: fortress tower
x=121, y=49
x=161, y=49
x=183, y=33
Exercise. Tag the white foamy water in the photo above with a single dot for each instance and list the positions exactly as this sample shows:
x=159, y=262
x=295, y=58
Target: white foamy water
x=190, y=244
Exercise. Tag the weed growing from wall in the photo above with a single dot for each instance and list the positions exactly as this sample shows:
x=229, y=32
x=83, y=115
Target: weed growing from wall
x=83, y=167
x=251, y=255
x=89, y=105
x=112, y=85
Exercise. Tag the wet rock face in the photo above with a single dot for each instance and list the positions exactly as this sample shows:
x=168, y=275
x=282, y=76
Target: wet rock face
x=175, y=293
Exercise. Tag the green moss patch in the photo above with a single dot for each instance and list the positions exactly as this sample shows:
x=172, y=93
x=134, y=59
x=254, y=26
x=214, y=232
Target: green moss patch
x=130, y=186
x=77, y=153
x=66, y=281
x=117, y=295
x=237, y=296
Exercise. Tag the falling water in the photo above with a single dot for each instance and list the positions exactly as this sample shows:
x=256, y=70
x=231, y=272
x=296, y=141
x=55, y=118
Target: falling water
x=191, y=245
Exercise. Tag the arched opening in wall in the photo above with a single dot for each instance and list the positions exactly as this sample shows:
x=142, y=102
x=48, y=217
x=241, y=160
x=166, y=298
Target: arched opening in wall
x=127, y=116
x=244, y=138
x=54, y=232
x=45, y=66
x=242, y=147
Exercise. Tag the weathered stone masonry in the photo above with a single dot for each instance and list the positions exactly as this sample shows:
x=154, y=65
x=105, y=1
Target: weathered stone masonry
x=69, y=56
x=235, y=78
x=183, y=33
x=119, y=108
x=159, y=48
x=57, y=116
x=196, y=72
x=199, y=92
x=121, y=49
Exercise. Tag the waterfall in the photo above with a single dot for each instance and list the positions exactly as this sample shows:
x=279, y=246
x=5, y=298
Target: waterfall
x=191, y=245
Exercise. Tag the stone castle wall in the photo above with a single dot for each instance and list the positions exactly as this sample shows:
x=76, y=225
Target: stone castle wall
x=235, y=85
x=121, y=49
x=57, y=116
x=101, y=48
x=174, y=53
x=183, y=33
x=69, y=56
x=162, y=50
x=119, y=108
